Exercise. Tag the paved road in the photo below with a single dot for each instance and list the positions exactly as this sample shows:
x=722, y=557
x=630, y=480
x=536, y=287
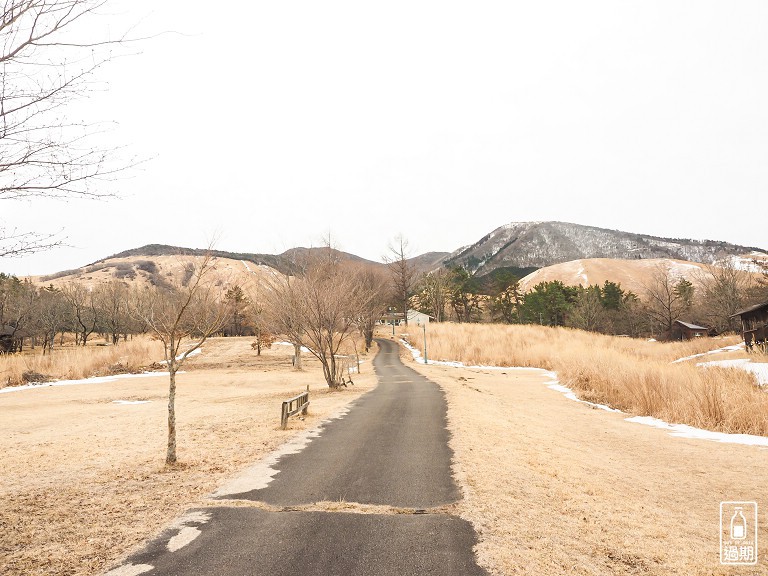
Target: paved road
x=390, y=449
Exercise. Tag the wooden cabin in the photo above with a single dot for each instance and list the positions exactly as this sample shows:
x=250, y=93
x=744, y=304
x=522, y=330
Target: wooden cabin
x=754, y=325
x=9, y=342
x=687, y=331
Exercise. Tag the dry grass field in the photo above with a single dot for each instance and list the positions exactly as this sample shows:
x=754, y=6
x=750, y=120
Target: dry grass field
x=84, y=479
x=72, y=362
x=551, y=485
x=554, y=487
x=635, y=376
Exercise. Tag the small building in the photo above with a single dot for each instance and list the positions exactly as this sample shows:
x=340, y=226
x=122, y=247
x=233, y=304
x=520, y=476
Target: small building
x=398, y=318
x=9, y=341
x=687, y=331
x=754, y=325
x=418, y=318
x=392, y=318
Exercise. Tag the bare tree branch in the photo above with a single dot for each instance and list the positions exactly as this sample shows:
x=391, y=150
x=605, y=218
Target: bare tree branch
x=43, y=68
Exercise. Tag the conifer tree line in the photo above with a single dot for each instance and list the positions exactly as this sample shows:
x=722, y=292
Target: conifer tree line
x=706, y=297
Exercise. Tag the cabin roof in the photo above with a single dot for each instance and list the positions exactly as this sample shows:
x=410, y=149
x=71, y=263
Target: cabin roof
x=691, y=326
x=754, y=308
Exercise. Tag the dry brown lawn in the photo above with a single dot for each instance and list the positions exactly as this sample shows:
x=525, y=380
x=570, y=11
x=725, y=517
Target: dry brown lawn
x=551, y=485
x=555, y=487
x=84, y=480
x=637, y=376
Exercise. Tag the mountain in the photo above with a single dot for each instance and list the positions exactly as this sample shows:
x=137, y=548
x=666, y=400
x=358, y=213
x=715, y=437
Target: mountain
x=284, y=262
x=540, y=244
x=160, y=270
x=152, y=262
x=429, y=261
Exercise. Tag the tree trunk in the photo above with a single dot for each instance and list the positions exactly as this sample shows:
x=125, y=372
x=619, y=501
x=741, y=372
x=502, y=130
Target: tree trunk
x=170, y=457
x=297, y=356
x=368, y=336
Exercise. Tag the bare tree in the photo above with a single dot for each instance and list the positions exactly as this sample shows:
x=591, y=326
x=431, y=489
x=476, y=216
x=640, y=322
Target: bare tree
x=434, y=292
x=668, y=298
x=402, y=272
x=111, y=302
x=17, y=304
x=51, y=315
x=318, y=309
x=283, y=312
x=44, y=68
x=373, y=302
x=182, y=318
x=82, y=310
x=724, y=291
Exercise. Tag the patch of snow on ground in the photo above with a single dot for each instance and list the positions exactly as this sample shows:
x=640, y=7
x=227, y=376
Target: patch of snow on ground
x=246, y=266
x=260, y=475
x=583, y=275
x=759, y=370
x=685, y=431
x=186, y=534
x=677, y=430
x=94, y=380
x=754, y=264
x=733, y=348
x=303, y=348
x=194, y=352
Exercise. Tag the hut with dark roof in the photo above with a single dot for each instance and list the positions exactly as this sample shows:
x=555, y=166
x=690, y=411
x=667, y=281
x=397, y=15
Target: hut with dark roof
x=754, y=325
x=687, y=331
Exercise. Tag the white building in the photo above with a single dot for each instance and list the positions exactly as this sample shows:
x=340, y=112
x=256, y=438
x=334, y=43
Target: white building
x=418, y=318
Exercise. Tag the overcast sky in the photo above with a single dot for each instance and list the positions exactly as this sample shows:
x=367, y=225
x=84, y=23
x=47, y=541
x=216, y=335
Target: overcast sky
x=275, y=123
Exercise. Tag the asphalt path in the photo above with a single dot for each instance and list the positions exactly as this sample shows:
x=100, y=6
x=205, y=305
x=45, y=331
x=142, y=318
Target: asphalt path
x=390, y=449
x=248, y=541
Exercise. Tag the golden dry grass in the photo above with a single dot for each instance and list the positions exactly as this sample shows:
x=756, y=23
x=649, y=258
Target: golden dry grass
x=633, y=375
x=84, y=480
x=76, y=362
x=555, y=488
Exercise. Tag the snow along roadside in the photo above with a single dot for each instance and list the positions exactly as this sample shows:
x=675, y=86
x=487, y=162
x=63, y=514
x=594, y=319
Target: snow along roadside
x=94, y=379
x=676, y=430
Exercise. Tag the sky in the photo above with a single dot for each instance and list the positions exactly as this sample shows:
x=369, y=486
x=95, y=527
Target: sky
x=269, y=125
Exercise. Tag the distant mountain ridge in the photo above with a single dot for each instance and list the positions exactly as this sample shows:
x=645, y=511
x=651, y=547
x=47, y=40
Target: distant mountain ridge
x=540, y=244
x=517, y=247
x=285, y=262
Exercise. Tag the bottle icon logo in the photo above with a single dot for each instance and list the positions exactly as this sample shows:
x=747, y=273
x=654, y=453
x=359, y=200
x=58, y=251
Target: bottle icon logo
x=738, y=525
x=738, y=533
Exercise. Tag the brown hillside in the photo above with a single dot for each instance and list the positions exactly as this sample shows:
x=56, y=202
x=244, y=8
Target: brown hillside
x=156, y=270
x=631, y=274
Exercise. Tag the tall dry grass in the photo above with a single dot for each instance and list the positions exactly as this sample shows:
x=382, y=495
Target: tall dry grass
x=633, y=375
x=75, y=362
